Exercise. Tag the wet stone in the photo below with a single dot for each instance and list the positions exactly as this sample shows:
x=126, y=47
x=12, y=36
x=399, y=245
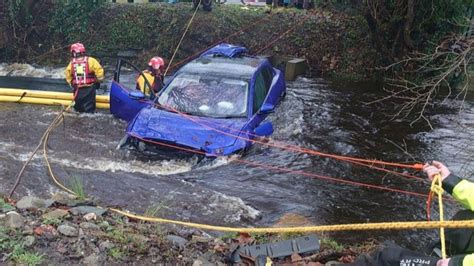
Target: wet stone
x=177, y=241
x=106, y=245
x=89, y=226
x=68, y=230
x=29, y=241
x=92, y=260
x=81, y=210
x=29, y=202
x=55, y=214
x=14, y=220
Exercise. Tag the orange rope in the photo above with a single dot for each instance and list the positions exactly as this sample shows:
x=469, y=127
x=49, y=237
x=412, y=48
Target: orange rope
x=286, y=170
x=365, y=162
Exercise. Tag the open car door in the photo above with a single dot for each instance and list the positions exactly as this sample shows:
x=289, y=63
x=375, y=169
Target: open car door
x=126, y=103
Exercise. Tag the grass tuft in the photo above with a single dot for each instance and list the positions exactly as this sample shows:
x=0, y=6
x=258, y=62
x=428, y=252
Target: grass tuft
x=77, y=185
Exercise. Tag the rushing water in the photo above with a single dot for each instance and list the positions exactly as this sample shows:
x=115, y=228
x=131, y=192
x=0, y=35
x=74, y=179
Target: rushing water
x=316, y=114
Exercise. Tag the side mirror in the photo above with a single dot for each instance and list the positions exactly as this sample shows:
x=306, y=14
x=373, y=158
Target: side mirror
x=267, y=108
x=264, y=130
x=136, y=95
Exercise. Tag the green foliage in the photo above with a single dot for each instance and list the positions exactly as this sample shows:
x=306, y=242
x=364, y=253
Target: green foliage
x=116, y=253
x=72, y=19
x=77, y=185
x=22, y=256
x=4, y=206
x=331, y=244
x=11, y=242
x=229, y=236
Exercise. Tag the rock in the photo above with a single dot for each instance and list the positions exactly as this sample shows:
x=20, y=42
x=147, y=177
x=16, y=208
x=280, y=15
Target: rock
x=106, y=245
x=29, y=241
x=14, y=220
x=332, y=262
x=27, y=230
x=55, y=214
x=68, y=230
x=81, y=210
x=177, y=241
x=46, y=230
x=292, y=219
x=62, y=197
x=204, y=259
x=90, y=216
x=29, y=202
x=75, y=202
x=89, y=226
x=92, y=260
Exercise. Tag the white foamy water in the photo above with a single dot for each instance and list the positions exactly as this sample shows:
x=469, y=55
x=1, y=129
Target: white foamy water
x=156, y=168
x=235, y=206
x=26, y=70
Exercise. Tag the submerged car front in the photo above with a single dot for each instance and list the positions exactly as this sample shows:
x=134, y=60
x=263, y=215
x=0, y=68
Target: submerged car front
x=195, y=113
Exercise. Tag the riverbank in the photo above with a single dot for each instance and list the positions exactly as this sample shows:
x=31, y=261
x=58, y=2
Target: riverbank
x=63, y=230
x=332, y=42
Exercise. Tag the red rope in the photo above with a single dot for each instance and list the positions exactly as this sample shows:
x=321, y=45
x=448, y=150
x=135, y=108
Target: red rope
x=287, y=170
x=294, y=148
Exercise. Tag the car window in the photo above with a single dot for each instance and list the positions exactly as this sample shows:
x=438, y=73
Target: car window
x=260, y=92
x=268, y=77
x=206, y=95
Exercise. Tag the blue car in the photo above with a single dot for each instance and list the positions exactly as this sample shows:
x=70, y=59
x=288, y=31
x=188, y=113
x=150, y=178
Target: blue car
x=214, y=105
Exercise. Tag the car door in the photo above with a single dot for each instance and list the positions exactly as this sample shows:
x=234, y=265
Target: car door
x=274, y=82
x=126, y=103
x=259, y=91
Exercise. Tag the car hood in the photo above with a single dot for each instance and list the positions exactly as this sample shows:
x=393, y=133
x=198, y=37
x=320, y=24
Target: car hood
x=207, y=134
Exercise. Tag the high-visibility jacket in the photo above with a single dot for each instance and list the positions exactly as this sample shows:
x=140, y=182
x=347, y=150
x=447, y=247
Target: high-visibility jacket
x=142, y=85
x=156, y=83
x=463, y=191
x=84, y=71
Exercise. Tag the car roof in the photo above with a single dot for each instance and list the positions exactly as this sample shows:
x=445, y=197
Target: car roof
x=239, y=67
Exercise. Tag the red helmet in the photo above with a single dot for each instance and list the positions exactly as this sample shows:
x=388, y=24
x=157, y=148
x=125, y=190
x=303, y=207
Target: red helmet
x=78, y=48
x=157, y=63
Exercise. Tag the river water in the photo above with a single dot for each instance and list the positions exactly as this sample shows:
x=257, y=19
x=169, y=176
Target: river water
x=317, y=114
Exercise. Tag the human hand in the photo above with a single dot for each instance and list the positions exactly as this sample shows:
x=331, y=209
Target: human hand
x=436, y=168
x=443, y=262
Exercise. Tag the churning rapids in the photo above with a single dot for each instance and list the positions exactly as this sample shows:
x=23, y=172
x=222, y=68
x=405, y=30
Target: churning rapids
x=316, y=114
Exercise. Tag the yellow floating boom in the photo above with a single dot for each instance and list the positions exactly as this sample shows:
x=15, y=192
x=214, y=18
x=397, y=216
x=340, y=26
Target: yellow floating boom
x=52, y=95
x=16, y=99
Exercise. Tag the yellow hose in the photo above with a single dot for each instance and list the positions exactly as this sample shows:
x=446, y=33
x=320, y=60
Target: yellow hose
x=47, y=94
x=16, y=99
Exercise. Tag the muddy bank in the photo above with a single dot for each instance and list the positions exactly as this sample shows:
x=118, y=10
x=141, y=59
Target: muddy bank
x=331, y=41
x=64, y=229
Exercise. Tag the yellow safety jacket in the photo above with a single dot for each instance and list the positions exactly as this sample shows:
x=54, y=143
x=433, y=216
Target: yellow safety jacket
x=93, y=67
x=142, y=85
x=463, y=191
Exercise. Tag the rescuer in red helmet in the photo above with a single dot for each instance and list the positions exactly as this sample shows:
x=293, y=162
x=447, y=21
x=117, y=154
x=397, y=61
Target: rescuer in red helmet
x=84, y=74
x=153, y=75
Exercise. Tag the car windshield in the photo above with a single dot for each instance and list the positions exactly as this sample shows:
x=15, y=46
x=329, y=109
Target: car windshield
x=206, y=95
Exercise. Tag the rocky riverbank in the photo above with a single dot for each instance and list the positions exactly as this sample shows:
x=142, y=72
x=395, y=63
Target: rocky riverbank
x=67, y=230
